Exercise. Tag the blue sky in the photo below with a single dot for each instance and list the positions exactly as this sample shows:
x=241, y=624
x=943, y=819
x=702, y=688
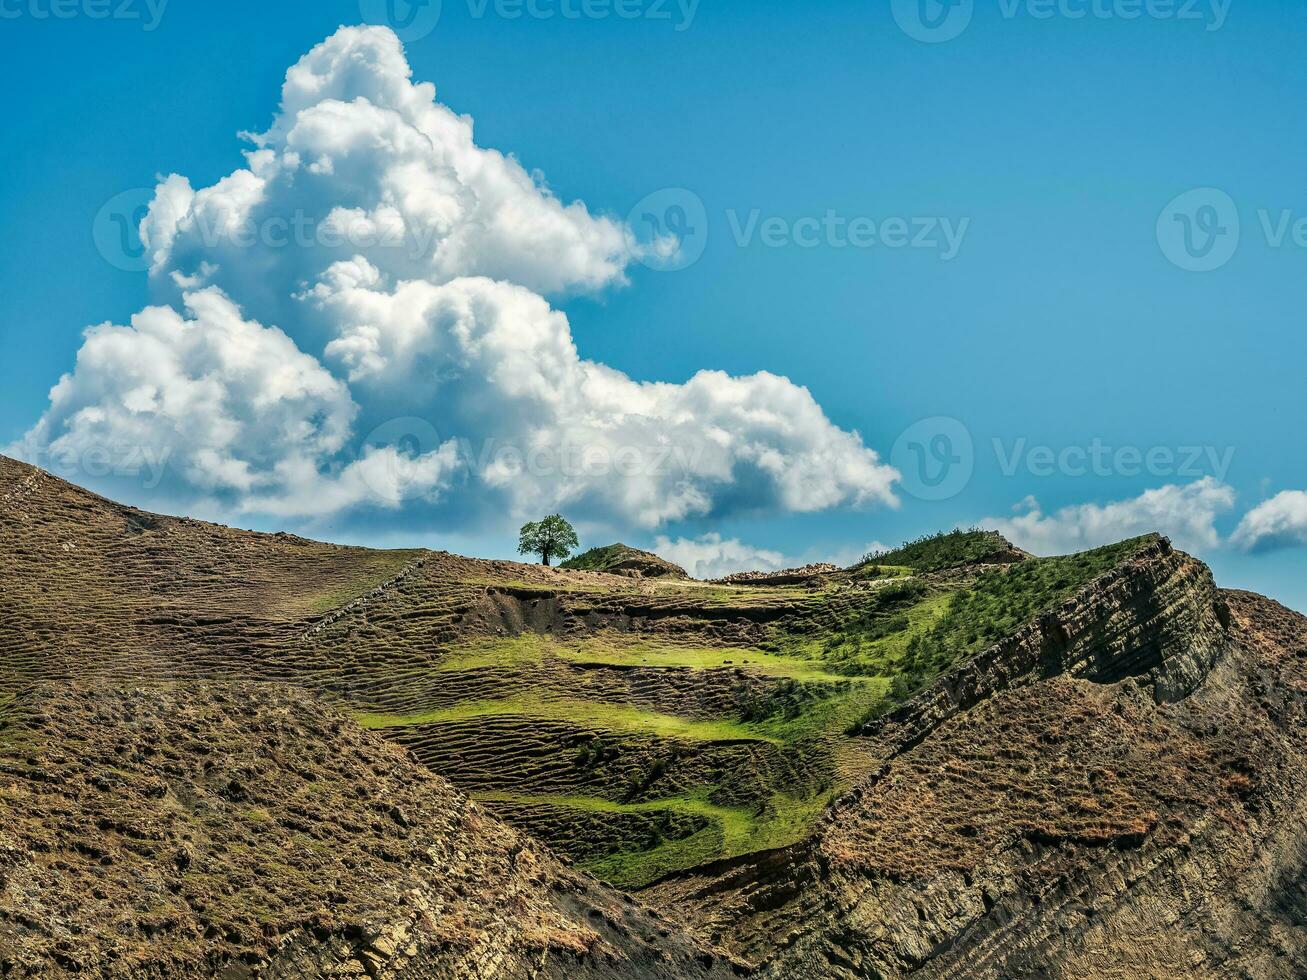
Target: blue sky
x=1058, y=322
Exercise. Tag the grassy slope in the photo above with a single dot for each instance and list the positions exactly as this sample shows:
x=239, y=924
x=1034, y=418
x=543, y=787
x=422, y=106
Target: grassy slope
x=728, y=704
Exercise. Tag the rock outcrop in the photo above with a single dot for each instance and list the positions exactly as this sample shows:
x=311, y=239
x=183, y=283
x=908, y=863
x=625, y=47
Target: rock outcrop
x=1116, y=791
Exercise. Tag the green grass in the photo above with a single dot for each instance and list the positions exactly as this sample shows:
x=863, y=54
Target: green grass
x=531, y=649
x=619, y=719
x=1000, y=603
x=699, y=658
x=731, y=831
x=599, y=559
x=939, y=551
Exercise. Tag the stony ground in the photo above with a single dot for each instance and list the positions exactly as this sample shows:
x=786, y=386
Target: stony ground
x=196, y=830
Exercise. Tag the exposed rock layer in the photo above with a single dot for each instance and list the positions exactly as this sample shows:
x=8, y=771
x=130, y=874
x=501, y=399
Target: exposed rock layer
x=1116, y=791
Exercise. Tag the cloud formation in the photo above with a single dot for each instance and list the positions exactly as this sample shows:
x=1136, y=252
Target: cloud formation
x=711, y=556
x=1187, y=514
x=1280, y=522
x=370, y=263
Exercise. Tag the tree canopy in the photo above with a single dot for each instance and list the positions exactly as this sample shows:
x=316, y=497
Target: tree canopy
x=552, y=537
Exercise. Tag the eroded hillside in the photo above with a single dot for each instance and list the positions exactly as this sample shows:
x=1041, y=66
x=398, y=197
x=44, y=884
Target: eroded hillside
x=1115, y=790
x=951, y=760
x=644, y=726
x=239, y=830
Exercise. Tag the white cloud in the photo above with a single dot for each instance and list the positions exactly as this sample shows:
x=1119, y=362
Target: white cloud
x=1280, y=522
x=1187, y=514
x=361, y=161
x=712, y=556
x=234, y=409
x=573, y=433
x=405, y=267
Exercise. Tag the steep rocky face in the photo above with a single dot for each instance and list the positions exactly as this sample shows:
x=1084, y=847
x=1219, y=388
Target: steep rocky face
x=247, y=831
x=1117, y=792
x=1155, y=616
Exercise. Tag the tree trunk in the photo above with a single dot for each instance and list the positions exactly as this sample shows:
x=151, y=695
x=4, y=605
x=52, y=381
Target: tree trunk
x=545, y=556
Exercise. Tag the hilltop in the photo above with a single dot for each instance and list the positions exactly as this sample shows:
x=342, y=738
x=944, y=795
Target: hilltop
x=620, y=559
x=950, y=759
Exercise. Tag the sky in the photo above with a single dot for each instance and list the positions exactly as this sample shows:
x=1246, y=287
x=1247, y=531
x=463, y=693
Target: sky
x=753, y=284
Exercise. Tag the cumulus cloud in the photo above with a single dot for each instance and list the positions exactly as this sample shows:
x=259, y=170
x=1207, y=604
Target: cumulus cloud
x=1187, y=514
x=1280, y=522
x=360, y=160
x=371, y=262
x=220, y=403
x=712, y=556
x=497, y=362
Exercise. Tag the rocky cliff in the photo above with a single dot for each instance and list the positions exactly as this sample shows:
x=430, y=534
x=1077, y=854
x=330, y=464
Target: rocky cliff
x=1117, y=790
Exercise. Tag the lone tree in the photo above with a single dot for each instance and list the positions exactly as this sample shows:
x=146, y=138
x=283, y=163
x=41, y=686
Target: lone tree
x=551, y=538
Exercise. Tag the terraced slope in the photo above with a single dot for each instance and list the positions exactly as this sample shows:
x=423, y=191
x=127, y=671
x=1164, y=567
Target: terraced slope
x=242, y=831
x=643, y=726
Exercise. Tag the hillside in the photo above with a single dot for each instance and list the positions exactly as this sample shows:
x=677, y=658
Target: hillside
x=641, y=726
x=953, y=759
x=621, y=559
x=241, y=831
x=1114, y=790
